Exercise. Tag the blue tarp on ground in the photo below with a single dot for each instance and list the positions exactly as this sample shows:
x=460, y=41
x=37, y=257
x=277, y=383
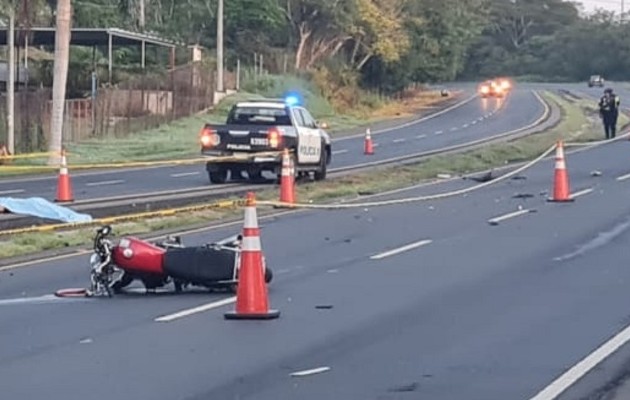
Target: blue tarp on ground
x=38, y=207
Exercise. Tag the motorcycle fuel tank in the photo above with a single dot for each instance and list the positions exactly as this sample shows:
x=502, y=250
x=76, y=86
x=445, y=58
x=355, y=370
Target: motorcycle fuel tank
x=137, y=255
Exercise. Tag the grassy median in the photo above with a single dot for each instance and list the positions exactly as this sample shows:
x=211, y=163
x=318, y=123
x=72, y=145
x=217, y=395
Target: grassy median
x=580, y=124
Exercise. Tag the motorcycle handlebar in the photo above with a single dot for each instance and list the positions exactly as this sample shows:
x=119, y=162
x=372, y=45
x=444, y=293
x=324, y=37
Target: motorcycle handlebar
x=99, y=239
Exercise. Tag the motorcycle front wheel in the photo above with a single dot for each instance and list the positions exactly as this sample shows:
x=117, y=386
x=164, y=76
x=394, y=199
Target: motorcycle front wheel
x=123, y=282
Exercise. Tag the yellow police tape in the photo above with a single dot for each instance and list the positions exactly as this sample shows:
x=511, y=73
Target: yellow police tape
x=240, y=157
x=27, y=155
x=121, y=218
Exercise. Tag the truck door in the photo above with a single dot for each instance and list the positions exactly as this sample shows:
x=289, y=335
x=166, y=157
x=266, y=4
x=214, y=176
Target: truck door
x=309, y=141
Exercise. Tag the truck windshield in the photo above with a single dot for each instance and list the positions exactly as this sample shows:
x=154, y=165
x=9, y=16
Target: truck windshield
x=259, y=116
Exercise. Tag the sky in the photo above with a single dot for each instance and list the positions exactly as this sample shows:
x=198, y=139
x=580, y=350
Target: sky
x=610, y=5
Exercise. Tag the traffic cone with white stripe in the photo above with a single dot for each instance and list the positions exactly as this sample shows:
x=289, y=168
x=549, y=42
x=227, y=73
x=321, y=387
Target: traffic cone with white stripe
x=368, y=147
x=287, y=180
x=64, y=186
x=251, y=293
x=561, y=189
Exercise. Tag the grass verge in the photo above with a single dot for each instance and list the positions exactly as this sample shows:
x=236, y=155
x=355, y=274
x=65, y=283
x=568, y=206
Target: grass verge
x=578, y=124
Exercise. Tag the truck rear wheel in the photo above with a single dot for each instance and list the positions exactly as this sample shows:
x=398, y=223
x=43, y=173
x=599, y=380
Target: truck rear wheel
x=219, y=176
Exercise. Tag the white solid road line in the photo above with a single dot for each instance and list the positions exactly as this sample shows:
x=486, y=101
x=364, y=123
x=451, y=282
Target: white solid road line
x=102, y=183
x=399, y=140
x=580, y=369
x=496, y=220
x=14, y=191
x=184, y=174
x=340, y=151
x=581, y=193
x=310, y=371
x=196, y=310
x=421, y=136
x=402, y=249
x=623, y=177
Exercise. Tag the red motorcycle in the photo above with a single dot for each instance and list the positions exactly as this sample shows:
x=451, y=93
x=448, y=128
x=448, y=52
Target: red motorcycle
x=116, y=266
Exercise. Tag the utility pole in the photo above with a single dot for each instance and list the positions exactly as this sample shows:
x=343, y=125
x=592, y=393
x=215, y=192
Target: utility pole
x=141, y=21
x=220, y=48
x=11, y=83
x=622, y=11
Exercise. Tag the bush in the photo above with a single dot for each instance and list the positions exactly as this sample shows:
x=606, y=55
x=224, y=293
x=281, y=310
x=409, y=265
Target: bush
x=278, y=86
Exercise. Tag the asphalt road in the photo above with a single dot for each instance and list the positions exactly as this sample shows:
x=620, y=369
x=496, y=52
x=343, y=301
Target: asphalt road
x=475, y=120
x=473, y=311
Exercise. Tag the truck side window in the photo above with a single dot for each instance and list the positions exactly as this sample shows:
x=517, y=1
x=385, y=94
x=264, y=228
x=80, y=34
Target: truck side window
x=309, y=122
x=298, y=117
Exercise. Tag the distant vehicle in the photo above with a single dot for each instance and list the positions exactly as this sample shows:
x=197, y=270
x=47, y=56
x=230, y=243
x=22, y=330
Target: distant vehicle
x=504, y=83
x=492, y=88
x=264, y=126
x=596, y=80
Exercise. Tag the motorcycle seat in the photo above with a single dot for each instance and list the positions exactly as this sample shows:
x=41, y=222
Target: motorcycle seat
x=200, y=264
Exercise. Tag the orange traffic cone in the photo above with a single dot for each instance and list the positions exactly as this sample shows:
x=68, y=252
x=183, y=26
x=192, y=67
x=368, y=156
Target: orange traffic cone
x=369, y=146
x=287, y=181
x=64, y=186
x=251, y=292
x=561, y=190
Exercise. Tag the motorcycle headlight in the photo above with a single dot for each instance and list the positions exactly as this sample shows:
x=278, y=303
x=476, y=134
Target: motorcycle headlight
x=95, y=260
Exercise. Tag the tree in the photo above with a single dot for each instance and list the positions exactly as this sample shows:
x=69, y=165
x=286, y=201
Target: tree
x=379, y=31
x=60, y=77
x=321, y=28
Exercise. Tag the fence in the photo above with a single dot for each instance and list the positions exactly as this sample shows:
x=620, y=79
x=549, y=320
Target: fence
x=141, y=103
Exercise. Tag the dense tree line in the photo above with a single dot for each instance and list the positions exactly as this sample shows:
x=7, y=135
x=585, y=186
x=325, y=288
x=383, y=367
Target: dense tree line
x=381, y=43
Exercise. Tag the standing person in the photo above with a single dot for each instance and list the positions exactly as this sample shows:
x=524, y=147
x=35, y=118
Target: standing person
x=609, y=111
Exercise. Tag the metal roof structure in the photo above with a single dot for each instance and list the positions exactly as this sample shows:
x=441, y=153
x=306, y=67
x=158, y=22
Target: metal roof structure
x=93, y=37
x=42, y=36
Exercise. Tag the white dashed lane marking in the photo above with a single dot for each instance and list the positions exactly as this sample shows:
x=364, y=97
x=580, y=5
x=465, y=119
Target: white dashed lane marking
x=402, y=249
x=103, y=183
x=13, y=191
x=623, y=177
x=196, y=310
x=496, y=220
x=581, y=193
x=181, y=174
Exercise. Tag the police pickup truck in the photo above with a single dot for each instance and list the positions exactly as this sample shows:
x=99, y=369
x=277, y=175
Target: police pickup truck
x=255, y=135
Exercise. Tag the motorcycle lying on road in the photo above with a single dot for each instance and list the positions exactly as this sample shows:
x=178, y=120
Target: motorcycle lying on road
x=156, y=265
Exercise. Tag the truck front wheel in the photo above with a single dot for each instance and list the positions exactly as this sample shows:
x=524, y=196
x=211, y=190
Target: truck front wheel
x=320, y=174
x=219, y=176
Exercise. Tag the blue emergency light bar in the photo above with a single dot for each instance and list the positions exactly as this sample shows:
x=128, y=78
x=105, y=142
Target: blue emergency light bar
x=292, y=99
